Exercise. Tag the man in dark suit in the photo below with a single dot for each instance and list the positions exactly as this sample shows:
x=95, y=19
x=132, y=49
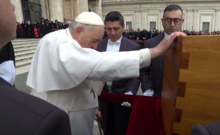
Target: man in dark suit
x=116, y=117
x=152, y=77
x=20, y=113
x=144, y=34
x=132, y=34
x=126, y=34
x=25, y=114
x=138, y=34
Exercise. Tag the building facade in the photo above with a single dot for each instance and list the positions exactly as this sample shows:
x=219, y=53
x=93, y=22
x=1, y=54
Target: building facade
x=61, y=10
x=199, y=15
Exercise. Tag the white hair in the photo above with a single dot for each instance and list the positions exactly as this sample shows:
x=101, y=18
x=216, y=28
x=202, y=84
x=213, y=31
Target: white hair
x=75, y=24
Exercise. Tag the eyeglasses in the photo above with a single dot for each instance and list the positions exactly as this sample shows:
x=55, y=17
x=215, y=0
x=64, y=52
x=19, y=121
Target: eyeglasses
x=175, y=20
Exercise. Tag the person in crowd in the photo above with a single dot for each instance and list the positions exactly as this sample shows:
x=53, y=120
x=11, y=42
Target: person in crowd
x=42, y=20
x=48, y=28
x=144, y=34
x=35, y=29
x=52, y=24
x=116, y=117
x=19, y=31
x=24, y=26
x=138, y=34
x=126, y=34
x=132, y=34
x=43, y=28
x=30, y=30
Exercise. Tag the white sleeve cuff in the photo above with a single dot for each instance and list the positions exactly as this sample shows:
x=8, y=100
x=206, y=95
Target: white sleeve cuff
x=129, y=93
x=148, y=92
x=145, y=58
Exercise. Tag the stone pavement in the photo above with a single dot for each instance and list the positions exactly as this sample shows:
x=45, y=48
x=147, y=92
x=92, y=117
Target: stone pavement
x=96, y=129
x=20, y=84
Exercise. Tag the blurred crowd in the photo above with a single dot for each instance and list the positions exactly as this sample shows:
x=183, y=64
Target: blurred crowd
x=141, y=35
x=189, y=33
x=145, y=34
x=36, y=29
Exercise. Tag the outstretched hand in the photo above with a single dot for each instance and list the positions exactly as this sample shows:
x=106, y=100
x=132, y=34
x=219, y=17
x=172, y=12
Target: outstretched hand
x=165, y=45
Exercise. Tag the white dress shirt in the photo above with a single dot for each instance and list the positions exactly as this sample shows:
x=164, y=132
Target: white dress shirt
x=7, y=71
x=112, y=47
x=165, y=34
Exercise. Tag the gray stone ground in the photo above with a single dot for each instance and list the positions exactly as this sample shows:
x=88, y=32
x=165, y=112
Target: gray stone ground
x=96, y=130
x=20, y=84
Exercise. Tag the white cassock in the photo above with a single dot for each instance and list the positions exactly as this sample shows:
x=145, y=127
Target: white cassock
x=61, y=69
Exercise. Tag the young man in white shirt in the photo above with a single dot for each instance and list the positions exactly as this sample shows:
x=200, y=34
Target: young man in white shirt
x=116, y=117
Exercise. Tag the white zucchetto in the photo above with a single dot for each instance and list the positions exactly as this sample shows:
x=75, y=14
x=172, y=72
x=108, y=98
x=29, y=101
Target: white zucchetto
x=89, y=18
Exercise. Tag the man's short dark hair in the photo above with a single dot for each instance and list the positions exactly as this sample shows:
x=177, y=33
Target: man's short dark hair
x=114, y=16
x=172, y=7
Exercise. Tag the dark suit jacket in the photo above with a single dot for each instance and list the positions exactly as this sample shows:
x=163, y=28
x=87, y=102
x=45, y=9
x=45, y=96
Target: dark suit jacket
x=105, y=35
x=125, y=85
x=114, y=115
x=209, y=129
x=7, y=53
x=152, y=77
x=23, y=114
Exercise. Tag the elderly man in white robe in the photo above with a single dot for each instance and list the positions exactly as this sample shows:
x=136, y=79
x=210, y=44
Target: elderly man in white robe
x=65, y=61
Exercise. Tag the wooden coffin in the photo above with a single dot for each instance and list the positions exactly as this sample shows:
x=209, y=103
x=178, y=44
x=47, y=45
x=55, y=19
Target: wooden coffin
x=191, y=84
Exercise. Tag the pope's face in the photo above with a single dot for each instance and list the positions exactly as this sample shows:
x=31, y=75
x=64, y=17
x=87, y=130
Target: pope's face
x=90, y=37
x=7, y=22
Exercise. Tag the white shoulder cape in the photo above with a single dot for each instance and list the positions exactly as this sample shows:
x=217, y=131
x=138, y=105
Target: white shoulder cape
x=60, y=63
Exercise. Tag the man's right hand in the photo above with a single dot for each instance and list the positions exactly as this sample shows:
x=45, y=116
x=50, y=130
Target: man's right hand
x=164, y=45
x=98, y=116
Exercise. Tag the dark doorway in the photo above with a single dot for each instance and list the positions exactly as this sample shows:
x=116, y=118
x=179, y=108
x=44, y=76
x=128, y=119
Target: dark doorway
x=31, y=11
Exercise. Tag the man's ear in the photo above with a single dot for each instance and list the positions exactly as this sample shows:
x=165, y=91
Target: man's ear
x=183, y=21
x=78, y=32
x=162, y=20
